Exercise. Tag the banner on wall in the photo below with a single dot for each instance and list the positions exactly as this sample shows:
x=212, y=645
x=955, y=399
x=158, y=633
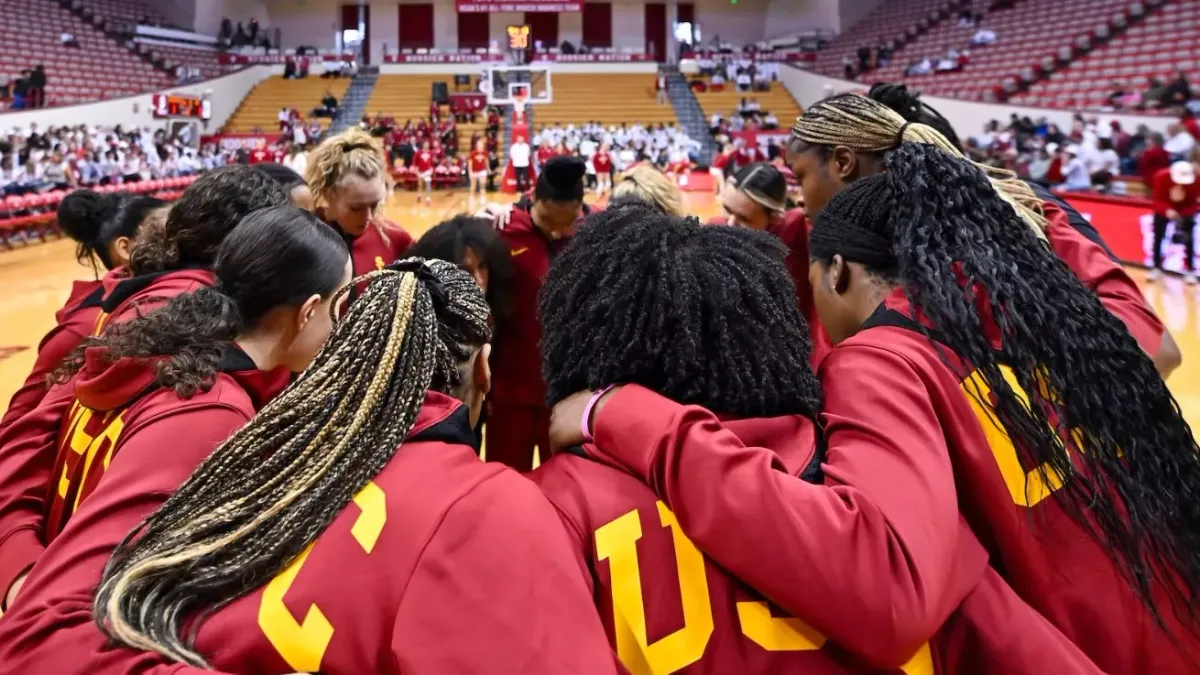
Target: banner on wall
x=271, y=59
x=762, y=138
x=250, y=142
x=1127, y=227
x=539, y=58
x=762, y=57
x=520, y=6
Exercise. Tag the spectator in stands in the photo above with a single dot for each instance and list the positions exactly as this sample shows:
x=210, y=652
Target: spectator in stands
x=289, y=67
x=57, y=171
x=718, y=81
x=1104, y=164
x=770, y=122
x=1175, y=192
x=848, y=67
x=660, y=86
x=864, y=58
x=922, y=67
x=743, y=81
x=1180, y=142
x=519, y=156
x=966, y=18
x=37, y=86
x=1077, y=175
x=1039, y=167
x=949, y=62
x=1179, y=91
x=67, y=39
x=762, y=80
x=983, y=36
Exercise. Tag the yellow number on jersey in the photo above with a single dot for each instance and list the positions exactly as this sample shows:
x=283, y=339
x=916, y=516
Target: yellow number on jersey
x=616, y=541
x=303, y=644
x=1027, y=488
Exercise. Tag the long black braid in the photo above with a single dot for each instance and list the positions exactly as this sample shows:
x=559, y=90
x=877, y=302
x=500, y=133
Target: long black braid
x=934, y=224
x=276, y=484
x=702, y=315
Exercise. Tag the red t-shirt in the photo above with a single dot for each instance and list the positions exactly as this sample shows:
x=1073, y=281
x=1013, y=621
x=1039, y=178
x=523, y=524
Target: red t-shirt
x=545, y=155
x=423, y=161
x=721, y=161
x=479, y=161
x=602, y=161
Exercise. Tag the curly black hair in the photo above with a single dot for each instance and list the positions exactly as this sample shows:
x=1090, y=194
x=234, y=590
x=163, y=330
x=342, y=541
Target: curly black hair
x=702, y=315
x=94, y=220
x=935, y=226
x=450, y=240
x=206, y=213
x=277, y=257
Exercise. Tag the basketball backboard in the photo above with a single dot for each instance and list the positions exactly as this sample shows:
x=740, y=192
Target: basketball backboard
x=507, y=82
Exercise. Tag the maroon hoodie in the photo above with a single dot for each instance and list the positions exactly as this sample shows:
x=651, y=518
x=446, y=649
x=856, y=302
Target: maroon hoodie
x=874, y=557
x=443, y=564
x=28, y=446
x=73, y=322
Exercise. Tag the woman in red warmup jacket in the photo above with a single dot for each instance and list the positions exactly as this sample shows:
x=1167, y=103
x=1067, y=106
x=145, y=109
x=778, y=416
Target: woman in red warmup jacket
x=518, y=418
x=1074, y=240
x=165, y=262
x=348, y=528
x=349, y=180
x=967, y=355
x=744, y=354
x=104, y=229
x=755, y=197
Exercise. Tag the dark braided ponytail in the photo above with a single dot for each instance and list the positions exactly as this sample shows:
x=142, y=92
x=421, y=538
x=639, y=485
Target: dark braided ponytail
x=702, y=315
x=273, y=487
x=934, y=225
x=276, y=257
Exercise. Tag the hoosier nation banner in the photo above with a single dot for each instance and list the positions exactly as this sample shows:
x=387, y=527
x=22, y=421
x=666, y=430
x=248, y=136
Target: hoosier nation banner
x=520, y=5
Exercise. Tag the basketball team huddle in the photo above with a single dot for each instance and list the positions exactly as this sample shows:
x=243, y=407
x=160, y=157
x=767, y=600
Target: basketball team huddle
x=918, y=425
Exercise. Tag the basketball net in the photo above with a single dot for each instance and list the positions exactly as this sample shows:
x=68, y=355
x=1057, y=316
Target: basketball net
x=519, y=101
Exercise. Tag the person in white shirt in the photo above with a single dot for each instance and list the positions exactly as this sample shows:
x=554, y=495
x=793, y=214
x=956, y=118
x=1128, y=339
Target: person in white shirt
x=762, y=80
x=518, y=155
x=1104, y=164
x=743, y=82
x=67, y=39
x=770, y=121
x=922, y=67
x=983, y=36
x=1180, y=144
x=1077, y=174
x=718, y=80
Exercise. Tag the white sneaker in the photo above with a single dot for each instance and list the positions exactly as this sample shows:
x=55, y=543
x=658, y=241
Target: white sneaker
x=1154, y=275
x=1190, y=279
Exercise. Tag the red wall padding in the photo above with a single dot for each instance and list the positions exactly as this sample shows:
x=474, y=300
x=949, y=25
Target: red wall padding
x=416, y=26
x=543, y=26
x=597, y=24
x=472, y=30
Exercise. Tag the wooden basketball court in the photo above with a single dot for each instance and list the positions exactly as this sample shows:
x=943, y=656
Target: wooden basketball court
x=36, y=280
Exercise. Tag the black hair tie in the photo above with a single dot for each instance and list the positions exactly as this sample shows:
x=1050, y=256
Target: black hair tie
x=425, y=274
x=900, y=135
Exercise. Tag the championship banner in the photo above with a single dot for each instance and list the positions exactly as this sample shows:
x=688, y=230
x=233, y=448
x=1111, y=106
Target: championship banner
x=520, y=6
x=1127, y=226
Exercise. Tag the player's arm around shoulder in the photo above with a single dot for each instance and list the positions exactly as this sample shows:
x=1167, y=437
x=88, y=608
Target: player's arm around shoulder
x=499, y=590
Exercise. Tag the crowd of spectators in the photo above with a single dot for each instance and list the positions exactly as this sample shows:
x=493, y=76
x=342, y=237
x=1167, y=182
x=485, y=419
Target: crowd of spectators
x=1089, y=155
x=748, y=116
x=26, y=90
x=734, y=70
x=663, y=145
x=249, y=35
x=1158, y=95
x=35, y=161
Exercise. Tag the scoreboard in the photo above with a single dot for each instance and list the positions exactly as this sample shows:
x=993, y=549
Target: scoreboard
x=174, y=105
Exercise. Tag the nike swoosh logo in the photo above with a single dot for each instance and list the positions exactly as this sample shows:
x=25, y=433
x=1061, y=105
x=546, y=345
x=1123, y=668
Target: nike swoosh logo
x=518, y=251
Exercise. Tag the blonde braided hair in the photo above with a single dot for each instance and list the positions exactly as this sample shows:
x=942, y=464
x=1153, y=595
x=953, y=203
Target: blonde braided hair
x=269, y=491
x=865, y=125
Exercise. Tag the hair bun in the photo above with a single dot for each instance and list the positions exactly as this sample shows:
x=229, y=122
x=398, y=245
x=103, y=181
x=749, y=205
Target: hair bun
x=80, y=215
x=897, y=96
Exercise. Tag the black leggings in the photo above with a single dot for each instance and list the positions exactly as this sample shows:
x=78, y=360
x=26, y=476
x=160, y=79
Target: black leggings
x=1184, y=226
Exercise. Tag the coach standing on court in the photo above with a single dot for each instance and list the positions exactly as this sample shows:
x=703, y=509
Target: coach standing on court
x=518, y=154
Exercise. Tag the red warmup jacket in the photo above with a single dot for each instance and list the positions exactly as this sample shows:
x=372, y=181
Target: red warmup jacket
x=73, y=322
x=1169, y=196
x=28, y=446
x=444, y=564
x=1152, y=161
x=889, y=569
x=380, y=245
x=516, y=360
x=1106, y=278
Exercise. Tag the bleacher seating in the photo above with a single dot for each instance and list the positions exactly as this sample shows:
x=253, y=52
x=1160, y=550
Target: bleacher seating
x=610, y=98
x=1025, y=35
x=778, y=101
x=260, y=109
x=1168, y=39
x=98, y=69
x=115, y=12
x=407, y=97
x=890, y=21
x=201, y=58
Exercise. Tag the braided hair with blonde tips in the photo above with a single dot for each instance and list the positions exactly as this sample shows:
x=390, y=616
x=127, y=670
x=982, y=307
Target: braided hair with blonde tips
x=269, y=491
x=868, y=126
